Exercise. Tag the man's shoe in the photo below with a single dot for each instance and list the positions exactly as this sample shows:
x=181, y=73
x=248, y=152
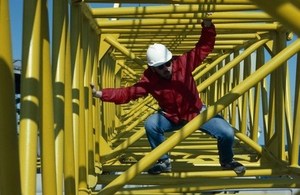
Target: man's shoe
x=237, y=167
x=162, y=166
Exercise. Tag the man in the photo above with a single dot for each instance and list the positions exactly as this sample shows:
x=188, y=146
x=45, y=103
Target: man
x=169, y=80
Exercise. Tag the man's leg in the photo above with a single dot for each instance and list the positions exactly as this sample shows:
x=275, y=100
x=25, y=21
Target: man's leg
x=223, y=132
x=156, y=125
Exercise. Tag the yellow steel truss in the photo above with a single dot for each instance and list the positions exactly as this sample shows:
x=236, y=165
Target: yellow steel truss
x=92, y=147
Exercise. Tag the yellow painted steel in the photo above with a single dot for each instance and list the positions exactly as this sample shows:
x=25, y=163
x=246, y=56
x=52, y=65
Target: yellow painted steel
x=88, y=50
x=279, y=102
x=209, y=185
x=138, y=110
x=30, y=97
x=247, y=78
x=83, y=122
x=47, y=134
x=9, y=152
x=125, y=51
x=230, y=65
x=176, y=138
x=190, y=177
x=181, y=1
x=257, y=92
x=111, y=12
x=85, y=10
x=119, y=148
x=77, y=94
x=295, y=147
x=95, y=108
x=235, y=26
x=286, y=12
x=107, y=80
x=215, y=16
x=210, y=66
x=69, y=154
x=59, y=61
x=127, y=68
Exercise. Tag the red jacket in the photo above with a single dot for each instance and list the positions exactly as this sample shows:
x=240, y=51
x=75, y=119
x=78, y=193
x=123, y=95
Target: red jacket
x=178, y=97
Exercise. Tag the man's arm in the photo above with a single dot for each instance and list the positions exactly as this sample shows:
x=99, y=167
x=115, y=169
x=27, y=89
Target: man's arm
x=204, y=46
x=124, y=94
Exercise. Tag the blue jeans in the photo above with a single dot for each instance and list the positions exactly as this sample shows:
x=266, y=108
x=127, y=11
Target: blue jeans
x=157, y=124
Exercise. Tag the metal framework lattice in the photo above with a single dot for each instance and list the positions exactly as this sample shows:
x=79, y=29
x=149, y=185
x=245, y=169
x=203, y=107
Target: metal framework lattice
x=86, y=146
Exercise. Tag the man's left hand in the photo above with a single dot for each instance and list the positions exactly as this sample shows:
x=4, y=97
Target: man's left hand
x=207, y=21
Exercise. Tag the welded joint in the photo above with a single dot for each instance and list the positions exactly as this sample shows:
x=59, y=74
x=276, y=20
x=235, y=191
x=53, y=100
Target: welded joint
x=88, y=14
x=113, y=42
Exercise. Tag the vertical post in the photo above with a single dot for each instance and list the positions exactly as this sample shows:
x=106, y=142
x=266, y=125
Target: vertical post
x=82, y=164
x=92, y=178
x=30, y=79
x=46, y=110
x=245, y=97
x=279, y=101
x=296, y=134
x=69, y=158
x=58, y=68
x=259, y=63
x=235, y=81
x=96, y=107
x=9, y=153
x=75, y=54
x=227, y=87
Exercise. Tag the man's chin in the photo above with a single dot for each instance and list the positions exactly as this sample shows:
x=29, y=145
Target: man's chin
x=168, y=76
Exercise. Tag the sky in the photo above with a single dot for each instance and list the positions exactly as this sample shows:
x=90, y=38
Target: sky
x=16, y=15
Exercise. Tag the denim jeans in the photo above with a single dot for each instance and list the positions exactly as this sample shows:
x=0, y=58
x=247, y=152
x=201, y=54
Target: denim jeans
x=157, y=124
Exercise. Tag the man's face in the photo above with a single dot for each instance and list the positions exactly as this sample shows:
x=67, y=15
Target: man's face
x=164, y=70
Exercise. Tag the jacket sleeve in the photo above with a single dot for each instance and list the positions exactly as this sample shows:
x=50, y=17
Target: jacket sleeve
x=204, y=46
x=125, y=94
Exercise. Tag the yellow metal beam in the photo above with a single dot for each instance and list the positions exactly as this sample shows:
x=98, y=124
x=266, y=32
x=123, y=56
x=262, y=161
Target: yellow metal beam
x=172, y=37
x=124, y=50
x=9, y=152
x=109, y=52
x=78, y=101
x=180, y=23
x=285, y=11
x=235, y=15
x=202, y=185
x=69, y=154
x=128, y=69
x=211, y=66
x=191, y=177
x=88, y=14
x=195, y=30
x=112, y=12
x=47, y=133
x=59, y=62
x=296, y=134
x=176, y=1
x=190, y=127
x=30, y=101
x=231, y=64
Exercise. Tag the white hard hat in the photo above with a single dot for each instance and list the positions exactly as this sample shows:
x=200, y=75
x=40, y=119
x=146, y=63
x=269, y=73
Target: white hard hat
x=158, y=54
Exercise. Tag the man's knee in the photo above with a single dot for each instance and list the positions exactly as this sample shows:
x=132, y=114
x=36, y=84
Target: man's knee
x=228, y=134
x=150, y=124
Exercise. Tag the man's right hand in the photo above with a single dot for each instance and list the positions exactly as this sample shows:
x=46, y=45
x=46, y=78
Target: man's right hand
x=95, y=93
